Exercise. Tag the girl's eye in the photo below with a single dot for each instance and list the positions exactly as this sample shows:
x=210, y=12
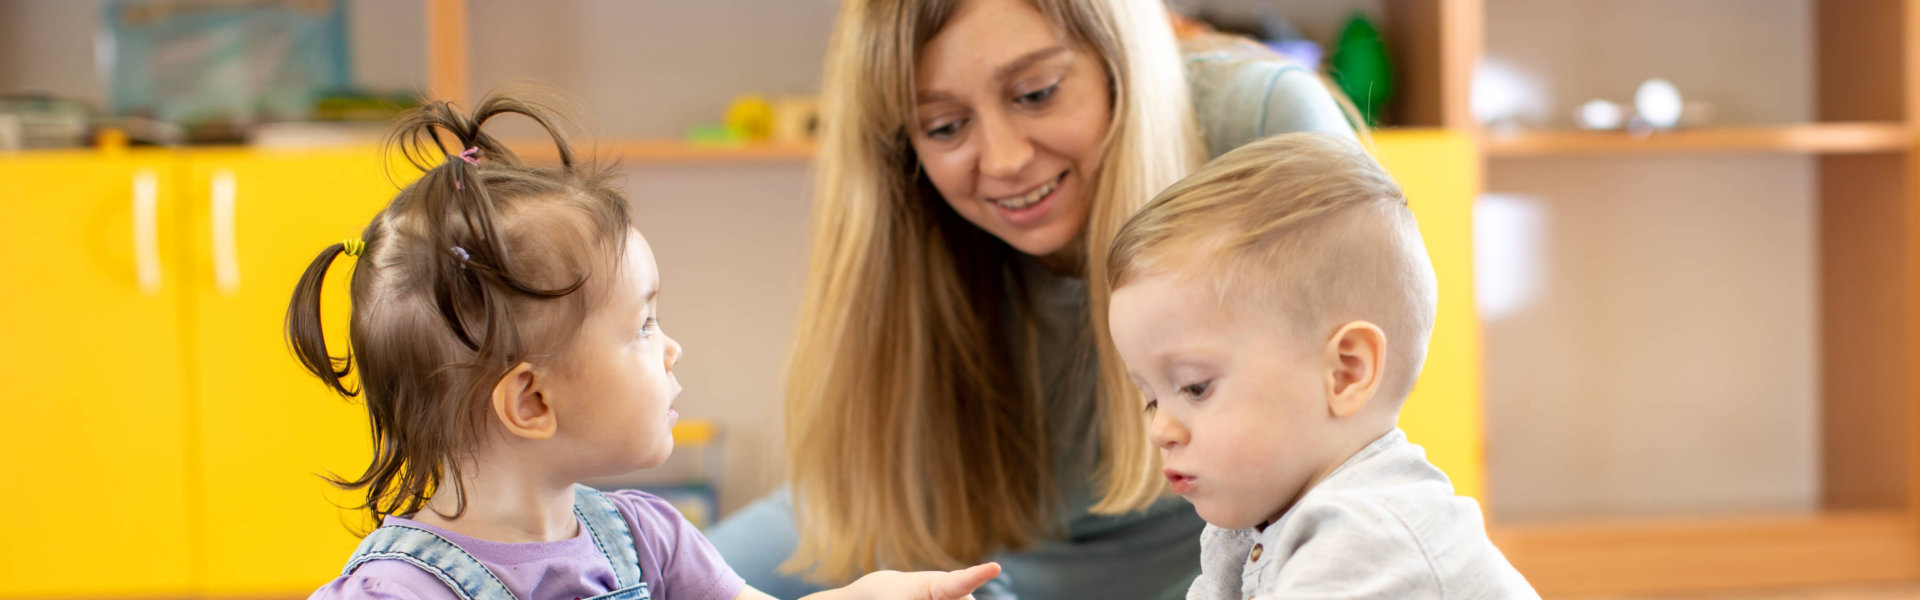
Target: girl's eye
x=1036, y=97
x=646, y=329
x=945, y=132
x=1151, y=405
x=1194, y=390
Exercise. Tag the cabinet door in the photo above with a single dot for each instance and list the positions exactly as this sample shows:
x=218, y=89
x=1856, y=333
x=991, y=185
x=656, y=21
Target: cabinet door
x=94, y=438
x=270, y=429
x=1440, y=174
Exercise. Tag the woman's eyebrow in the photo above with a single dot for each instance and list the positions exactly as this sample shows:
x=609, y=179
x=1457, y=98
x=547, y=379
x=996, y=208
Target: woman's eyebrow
x=1026, y=60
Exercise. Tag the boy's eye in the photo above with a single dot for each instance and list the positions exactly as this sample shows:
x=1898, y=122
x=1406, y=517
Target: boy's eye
x=646, y=329
x=1194, y=390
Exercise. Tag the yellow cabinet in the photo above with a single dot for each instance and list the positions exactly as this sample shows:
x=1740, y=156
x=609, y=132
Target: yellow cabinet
x=269, y=429
x=159, y=433
x=96, y=434
x=1439, y=172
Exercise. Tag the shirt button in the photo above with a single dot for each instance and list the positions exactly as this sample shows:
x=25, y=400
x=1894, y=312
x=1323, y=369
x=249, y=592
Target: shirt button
x=1256, y=554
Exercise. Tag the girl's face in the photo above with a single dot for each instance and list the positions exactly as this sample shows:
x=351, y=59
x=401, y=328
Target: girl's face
x=619, y=373
x=1009, y=121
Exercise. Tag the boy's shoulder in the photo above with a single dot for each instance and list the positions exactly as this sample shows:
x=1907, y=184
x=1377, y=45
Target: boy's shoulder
x=1386, y=524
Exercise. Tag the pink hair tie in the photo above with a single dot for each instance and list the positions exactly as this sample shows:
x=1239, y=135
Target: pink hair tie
x=471, y=155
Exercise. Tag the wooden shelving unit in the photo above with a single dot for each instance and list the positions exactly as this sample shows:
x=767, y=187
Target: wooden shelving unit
x=1612, y=557
x=1865, y=527
x=679, y=151
x=1808, y=138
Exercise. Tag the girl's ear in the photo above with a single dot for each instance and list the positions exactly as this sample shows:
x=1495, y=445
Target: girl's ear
x=521, y=404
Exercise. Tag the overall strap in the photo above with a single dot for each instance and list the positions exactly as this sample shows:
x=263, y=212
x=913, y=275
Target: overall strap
x=609, y=529
x=462, y=573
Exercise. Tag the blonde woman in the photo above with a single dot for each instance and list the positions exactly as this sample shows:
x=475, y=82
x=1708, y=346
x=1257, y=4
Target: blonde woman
x=952, y=396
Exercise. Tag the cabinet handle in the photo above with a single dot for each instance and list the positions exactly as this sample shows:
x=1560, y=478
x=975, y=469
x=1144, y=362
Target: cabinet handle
x=146, y=230
x=226, y=255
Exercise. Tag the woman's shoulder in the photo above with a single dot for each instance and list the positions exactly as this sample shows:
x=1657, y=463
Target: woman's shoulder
x=1242, y=92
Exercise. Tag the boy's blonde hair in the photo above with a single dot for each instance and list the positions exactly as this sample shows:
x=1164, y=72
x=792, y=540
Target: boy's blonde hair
x=1306, y=223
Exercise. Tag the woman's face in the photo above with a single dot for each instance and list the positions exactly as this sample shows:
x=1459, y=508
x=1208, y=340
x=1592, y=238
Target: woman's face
x=1009, y=121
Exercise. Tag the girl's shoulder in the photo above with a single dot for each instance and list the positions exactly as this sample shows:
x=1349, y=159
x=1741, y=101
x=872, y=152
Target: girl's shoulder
x=646, y=511
x=385, y=580
x=674, y=555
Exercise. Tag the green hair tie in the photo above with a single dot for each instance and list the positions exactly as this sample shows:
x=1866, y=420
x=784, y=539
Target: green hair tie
x=355, y=246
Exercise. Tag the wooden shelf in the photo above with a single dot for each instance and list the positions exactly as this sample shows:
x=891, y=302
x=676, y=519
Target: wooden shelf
x=675, y=151
x=1812, y=138
x=1642, y=556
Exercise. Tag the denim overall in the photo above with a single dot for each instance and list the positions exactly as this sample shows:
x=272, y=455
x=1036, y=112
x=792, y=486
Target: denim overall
x=471, y=580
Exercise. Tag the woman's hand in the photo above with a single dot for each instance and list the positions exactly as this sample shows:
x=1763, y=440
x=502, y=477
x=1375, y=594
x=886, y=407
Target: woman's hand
x=919, y=585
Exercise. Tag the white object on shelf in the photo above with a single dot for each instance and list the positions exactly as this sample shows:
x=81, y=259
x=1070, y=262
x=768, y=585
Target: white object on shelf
x=1600, y=114
x=1658, y=103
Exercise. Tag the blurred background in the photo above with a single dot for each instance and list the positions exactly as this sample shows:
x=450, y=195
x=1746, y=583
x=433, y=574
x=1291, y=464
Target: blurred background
x=1676, y=238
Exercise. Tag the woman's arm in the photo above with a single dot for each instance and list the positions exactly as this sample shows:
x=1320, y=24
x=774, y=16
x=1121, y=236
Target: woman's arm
x=889, y=585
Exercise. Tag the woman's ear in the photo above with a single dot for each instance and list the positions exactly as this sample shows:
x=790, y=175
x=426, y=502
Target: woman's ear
x=1353, y=359
x=521, y=403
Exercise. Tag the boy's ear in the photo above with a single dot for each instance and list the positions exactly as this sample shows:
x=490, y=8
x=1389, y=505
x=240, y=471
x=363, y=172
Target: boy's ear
x=1354, y=357
x=520, y=401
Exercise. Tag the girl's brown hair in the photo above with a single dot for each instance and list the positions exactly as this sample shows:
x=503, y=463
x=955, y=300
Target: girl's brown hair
x=481, y=264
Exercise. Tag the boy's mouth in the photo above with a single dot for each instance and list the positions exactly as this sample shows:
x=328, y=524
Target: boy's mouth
x=1181, y=482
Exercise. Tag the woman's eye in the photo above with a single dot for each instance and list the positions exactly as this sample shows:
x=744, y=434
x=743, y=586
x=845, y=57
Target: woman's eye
x=1194, y=390
x=944, y=132
x=1151, y=405
x=1037, y=96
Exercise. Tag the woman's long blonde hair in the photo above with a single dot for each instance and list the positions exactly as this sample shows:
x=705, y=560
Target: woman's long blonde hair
x=914, y=440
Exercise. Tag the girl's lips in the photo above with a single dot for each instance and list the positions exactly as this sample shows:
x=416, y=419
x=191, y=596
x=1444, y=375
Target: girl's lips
x=1181, y=482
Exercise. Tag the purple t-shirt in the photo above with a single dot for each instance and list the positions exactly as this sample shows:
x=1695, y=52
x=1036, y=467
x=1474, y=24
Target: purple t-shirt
x=676, y=562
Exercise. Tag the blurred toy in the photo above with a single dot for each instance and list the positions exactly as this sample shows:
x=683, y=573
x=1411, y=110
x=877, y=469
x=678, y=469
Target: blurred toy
x=795, y=118
x=39, y=121
x=713, y=135
x=750, y=117
x=218, y=66
x=1361, y=67
x=1266, y=27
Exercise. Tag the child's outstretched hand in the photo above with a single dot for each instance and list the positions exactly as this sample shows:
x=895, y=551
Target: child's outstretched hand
x=920, y=585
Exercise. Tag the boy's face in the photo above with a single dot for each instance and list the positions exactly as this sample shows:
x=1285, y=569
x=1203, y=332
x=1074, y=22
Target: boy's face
x=1236, y=398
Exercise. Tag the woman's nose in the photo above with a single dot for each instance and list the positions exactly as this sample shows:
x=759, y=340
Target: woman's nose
x=1005, y=149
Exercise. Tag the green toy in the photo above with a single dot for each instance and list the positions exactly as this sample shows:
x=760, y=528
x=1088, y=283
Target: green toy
x=1361, y=67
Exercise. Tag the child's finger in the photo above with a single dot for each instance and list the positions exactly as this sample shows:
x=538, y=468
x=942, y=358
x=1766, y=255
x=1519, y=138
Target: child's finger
x=955, y=585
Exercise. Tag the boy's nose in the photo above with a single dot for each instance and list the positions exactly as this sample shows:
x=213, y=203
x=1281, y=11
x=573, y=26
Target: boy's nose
x=1166, y=432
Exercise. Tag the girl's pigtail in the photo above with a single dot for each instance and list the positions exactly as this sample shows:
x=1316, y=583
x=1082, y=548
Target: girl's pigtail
x=304, y=332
